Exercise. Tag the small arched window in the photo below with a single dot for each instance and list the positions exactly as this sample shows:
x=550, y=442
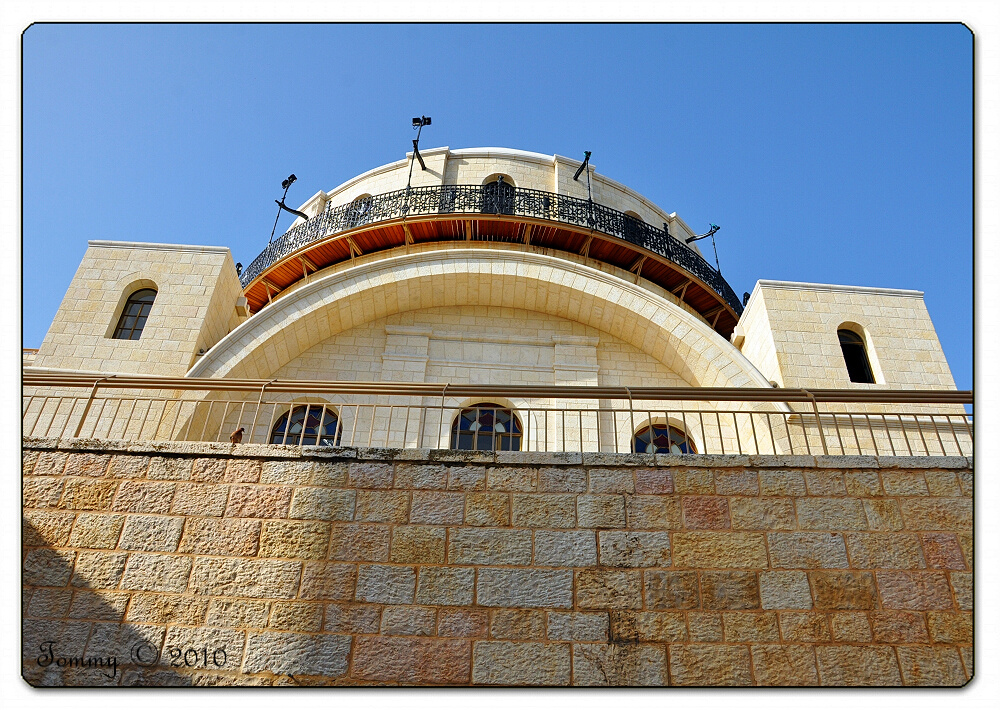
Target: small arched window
x=855, y=356
x=633, y=226
x=302, y=425
x=359, y=211
x=662, y=439
x=498, y=196
x=486, y=427
x=134, y=315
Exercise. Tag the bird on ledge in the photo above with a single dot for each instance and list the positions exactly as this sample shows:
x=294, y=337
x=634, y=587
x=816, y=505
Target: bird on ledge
x=237, y=436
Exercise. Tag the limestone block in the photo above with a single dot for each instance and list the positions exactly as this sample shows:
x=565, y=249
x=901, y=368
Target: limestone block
x=784, y=665
x=48, y=568
x=638, y=626
x=851, y=626
x=782, y=483
x=88, y=494
x=572, y=548
x=437, y=508
x=151, y=533
x=857, y=665
x=296, y=616
x=199, y=499
x=489, y=546
x=211, y=536
x=352, y=618
x=710, y=664
x=360, y=543
x=261, y=579
x=386, y=584
x=238, y=613
x=487, y=509
x=785, y=590
x=899, y=627
x=914, y=590
x=705, y=512
x=653, y=512
x=517, y=624
x=805, y=550
x=843, y=590
x=729, y=590
x=156, y=573
x=445, y=586
x=608, y=589
x=296, y=654
x=306, y=540
x=382, y=506
x=830, y=514
x=463, y=623
x=421, y=476
x=414, y=661
x=617, y=664
x=719, y=549
x=577, y=626
x=167, y=609
x=145, y=496
x=255, y=501
x=620, y=548
x=520, y=663
x=98, y=570
x=804, y=627
x=600, y=511
x=525, y=588
x=544, y=510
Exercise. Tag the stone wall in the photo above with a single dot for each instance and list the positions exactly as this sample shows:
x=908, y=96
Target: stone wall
x=265, y=565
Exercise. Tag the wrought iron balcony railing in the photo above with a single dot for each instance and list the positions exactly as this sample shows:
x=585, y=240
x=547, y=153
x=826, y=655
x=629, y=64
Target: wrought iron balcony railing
x=506, y=200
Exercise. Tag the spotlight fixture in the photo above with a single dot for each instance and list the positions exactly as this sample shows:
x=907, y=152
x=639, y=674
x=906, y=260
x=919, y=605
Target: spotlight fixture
x=418, y=123
x=286, y=183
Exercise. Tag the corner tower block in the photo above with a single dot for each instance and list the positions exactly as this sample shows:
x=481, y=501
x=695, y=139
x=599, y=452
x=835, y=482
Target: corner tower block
x=197, y=292
x=789, y=330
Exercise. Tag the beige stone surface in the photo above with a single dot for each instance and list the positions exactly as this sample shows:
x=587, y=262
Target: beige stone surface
x=372, y=569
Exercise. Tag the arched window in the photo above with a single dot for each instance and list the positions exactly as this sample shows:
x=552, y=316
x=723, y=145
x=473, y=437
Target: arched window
x=359, y=211
x=486, y=427
x=633, y=227
x=134, y=314
x=662, y=439
x=498, y=196
x=302, y=423
x=855, y=356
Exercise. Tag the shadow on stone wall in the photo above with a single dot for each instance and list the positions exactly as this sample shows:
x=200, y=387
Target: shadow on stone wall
x=73, y=631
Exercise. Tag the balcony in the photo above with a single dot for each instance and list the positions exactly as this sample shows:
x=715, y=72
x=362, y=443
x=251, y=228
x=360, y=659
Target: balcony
x=476, y=213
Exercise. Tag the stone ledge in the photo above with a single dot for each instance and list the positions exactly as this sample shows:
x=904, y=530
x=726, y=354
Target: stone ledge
x=525, y=458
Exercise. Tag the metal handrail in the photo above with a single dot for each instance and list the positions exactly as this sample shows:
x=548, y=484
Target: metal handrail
x=408, y=415
x=480, y=199
x=428, y=389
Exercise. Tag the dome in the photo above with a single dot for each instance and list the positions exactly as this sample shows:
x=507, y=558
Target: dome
x=494, y=198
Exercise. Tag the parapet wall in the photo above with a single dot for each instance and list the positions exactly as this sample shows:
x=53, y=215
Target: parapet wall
x=208, y=564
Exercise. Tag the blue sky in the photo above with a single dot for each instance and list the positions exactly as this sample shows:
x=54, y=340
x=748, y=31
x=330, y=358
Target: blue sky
x=827, y=153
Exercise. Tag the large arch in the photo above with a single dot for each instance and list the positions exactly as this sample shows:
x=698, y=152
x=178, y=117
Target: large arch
x=476, y=276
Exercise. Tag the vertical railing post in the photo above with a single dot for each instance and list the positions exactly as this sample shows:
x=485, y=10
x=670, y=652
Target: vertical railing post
x=256, y=412
x=819, y=424
x=90, y=402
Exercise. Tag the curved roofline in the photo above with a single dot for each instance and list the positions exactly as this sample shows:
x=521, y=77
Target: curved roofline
x=492, y=151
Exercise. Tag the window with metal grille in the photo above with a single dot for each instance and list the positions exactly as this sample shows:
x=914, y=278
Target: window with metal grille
x=662, y=439
x=855, y=356
x=498, y=197
x=134, y=315
x=301, y=426
x=486, y=427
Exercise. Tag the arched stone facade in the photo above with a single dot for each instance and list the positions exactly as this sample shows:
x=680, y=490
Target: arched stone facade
x=529, y=281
